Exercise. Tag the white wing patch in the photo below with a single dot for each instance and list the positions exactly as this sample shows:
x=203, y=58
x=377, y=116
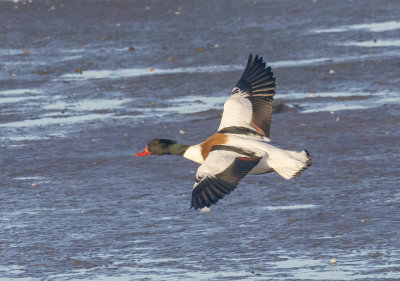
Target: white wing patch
x=237, y=112
x=249, y=107
x=216, y=162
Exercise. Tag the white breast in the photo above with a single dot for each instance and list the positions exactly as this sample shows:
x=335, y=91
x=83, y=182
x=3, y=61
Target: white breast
x=194, y=153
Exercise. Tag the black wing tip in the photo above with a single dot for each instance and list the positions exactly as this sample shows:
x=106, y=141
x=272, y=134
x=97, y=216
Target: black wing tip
x=210, y=190
x=209, y=193
x=257, y=76
x=199, y=206
x=258, y=62
x=257, y=58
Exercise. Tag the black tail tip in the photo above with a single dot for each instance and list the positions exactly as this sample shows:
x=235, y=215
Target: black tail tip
x=309, y=163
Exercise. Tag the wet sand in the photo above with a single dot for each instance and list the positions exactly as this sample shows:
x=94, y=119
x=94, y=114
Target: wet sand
x=85, y=84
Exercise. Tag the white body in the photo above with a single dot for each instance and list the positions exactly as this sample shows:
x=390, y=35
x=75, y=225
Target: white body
x=285, y=162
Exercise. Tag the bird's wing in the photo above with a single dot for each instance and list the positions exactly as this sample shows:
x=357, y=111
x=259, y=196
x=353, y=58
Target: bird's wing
x=221, y=172
x=249, y=107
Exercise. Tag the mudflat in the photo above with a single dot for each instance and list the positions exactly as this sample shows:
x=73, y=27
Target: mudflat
x=85, y=84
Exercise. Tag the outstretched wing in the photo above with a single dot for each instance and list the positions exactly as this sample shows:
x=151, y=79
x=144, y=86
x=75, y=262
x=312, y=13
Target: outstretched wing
x=249, y=107
x=224, y=167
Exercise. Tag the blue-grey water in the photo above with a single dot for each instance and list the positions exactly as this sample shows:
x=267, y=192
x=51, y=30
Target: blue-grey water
x=85, y=84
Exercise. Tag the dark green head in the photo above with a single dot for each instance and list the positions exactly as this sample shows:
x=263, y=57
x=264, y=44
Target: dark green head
x=163, y=146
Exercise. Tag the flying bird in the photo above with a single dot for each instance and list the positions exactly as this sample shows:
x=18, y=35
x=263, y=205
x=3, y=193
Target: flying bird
x=241, y=144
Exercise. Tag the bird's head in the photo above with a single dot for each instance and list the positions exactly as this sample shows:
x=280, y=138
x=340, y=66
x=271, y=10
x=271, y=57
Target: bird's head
x=161, y=147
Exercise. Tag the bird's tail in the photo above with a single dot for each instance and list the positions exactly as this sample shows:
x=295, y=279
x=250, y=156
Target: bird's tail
x=288, y=163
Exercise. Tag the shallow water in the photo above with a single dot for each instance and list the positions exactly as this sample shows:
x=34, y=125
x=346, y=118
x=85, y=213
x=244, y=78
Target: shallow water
x=372, y=27
x=84, y=85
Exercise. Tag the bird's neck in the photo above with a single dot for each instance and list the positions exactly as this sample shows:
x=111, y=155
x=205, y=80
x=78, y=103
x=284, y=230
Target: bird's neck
x=177, y=149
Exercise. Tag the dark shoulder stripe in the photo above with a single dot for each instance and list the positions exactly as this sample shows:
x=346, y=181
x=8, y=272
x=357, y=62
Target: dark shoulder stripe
x=235, y=149
x=240, y=131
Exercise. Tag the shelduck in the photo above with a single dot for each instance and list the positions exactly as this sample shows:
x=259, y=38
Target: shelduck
x=241, y=144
